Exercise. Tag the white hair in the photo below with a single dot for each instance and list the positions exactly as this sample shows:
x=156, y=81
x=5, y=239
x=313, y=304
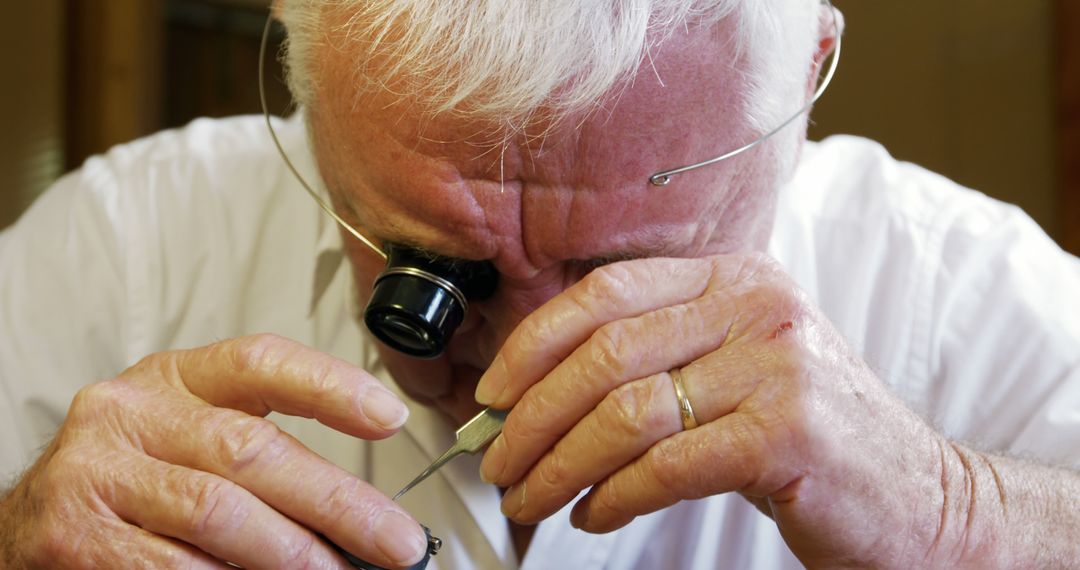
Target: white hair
x=506, y=59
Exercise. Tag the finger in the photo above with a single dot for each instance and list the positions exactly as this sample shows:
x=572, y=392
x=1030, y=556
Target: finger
x=212, y=514
x=273, y=466
x=147, y=550
x=629, y=421
x=723, y=456
x=262, y=373
x=553, y=331
x=744, y=376
x=619, y=352
x=108, y=542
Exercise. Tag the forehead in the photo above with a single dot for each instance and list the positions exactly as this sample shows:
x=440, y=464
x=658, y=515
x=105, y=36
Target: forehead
x=575, y=190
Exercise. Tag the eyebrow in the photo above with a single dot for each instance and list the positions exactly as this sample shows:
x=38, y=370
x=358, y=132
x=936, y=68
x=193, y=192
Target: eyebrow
x=429, y=254
x=432, y=255
x=589, y=263
x=661, y=247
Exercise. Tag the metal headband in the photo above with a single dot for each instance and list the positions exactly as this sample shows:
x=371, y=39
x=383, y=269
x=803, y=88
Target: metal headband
x=266, y=114
x=662, y=178
x=659, y=179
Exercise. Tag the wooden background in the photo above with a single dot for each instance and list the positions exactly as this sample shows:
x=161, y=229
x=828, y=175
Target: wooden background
x=1068, y=97
x=965, y=88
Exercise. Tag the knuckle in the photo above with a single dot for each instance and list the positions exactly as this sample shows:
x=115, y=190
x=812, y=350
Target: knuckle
x=95, y=403
x=786, y=295
x=768, y=294
x=629, y=411
x=606, y=286
x=753, y=266
x=255, y=352
x=217, y=505
x=345, y=503
x=515, y=430
x=607, y=503
x=177, y=559
x=555, y=472
x=747, y=446
x=757, y=263
x=762, y=260
x=298, y=552
x=101, y=396
x=148, y=363
x=663, y=460
x=244, y=440
x=612, y=350
x=522, y=425
x=533, y=334
x=792, y=368
x=665, y=463
x=603, y=280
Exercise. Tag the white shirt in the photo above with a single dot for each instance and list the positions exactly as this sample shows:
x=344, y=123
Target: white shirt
x=959, y=303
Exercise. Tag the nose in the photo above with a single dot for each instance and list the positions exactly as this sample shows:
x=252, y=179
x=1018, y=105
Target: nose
x=490, y=322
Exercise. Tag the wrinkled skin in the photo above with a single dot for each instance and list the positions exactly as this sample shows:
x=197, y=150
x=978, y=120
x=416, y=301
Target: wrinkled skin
x=545, y=218
x=790, y=417
x=171, y=464
x=166, y=465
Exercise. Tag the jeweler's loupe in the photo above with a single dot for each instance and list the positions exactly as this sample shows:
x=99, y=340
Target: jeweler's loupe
x=418, y=301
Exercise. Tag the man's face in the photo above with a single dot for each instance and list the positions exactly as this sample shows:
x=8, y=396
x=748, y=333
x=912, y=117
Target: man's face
x=545, y=210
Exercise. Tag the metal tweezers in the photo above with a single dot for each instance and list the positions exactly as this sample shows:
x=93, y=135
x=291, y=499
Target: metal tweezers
x=469, y=438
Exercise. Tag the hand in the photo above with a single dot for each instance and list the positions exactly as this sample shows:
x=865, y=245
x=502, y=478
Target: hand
x=788, y=416
x=171, y=464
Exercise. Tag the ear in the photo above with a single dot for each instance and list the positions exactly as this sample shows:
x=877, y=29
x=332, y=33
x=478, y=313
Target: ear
x=830, y=28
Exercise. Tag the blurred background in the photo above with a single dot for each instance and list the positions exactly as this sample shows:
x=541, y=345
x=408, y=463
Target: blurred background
x=986, y=92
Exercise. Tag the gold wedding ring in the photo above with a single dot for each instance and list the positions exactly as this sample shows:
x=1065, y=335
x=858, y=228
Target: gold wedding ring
x=686, y=411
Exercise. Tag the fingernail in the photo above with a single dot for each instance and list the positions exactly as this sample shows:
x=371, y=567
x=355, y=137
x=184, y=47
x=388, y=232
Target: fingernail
x=494, y=462
x=492, y=383
x=399, y=538
x=384, y=408
x=514, y=500
x=579, y=518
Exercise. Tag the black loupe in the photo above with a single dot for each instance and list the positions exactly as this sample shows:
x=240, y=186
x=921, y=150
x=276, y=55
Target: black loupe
x=418, y=301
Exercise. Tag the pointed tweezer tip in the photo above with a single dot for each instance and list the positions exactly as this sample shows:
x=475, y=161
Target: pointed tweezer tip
x=413, y=483
x=438, y=463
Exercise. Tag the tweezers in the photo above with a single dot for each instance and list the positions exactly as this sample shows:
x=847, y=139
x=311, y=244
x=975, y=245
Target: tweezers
x=469, y=438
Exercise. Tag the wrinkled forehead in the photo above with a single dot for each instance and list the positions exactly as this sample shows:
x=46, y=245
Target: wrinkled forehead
x=455, y=183
x=693, y=90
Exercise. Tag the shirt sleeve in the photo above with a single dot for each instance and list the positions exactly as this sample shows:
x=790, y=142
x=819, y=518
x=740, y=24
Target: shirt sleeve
x=1005, y=339
x=62, y=315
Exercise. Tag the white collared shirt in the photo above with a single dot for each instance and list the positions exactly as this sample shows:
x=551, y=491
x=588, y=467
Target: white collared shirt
x=959, y=303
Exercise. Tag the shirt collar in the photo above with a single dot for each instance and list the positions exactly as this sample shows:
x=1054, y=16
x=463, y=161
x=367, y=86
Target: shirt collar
x=329, y=249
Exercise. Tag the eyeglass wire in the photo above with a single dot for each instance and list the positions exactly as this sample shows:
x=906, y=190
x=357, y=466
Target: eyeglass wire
x=659, y=179
x=664, y=177
x=269, y=125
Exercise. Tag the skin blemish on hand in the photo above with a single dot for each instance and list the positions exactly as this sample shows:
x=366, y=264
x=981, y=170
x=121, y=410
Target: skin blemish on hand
x=781, y=329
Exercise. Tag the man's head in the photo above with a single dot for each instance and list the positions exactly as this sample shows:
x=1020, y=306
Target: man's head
x=526, y=133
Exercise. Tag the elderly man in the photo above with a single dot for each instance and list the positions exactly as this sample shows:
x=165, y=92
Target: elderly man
x=807, y=354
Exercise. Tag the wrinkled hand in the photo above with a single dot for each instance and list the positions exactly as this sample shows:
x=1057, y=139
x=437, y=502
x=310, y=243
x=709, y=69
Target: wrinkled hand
x=171, y=464
x=789, y=417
